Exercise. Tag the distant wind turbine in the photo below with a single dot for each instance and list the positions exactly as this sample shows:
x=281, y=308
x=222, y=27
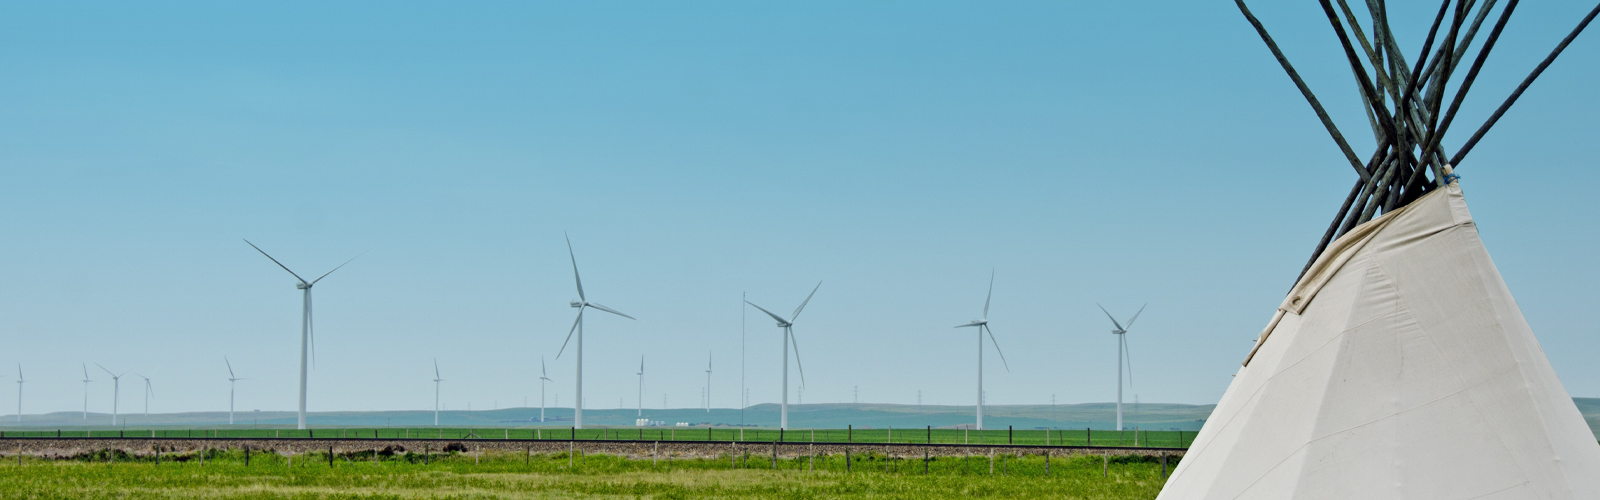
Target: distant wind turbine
x=86, y=391
x=436, y=380
x=983, y=326
x=307, y=337
x=641, y=385
x=577, y=327
x=708, y=382
x=148, y=391
x=116, y=391
x=1122, y=353
x=231, y=380
x=543, y=377
x=788, y=340
x=19, y=393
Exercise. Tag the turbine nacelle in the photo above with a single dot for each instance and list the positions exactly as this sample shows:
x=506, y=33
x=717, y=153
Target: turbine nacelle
x=578, y=303
x=301, y=286
x=1118, y=332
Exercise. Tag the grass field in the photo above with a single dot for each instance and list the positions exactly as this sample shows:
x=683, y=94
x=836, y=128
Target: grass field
x=465, y=475
x=1081, y=437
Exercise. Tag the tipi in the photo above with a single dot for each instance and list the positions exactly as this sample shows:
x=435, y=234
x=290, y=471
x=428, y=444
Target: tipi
x=1399, y=365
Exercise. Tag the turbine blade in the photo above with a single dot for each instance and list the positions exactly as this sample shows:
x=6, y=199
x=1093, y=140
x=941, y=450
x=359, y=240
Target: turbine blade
x=569, y=333
x=108, y=372
x=794, y=342
x=274, y=261
x=1136, y=315
x=352, y=259
x=975, y=323
x=311, y=328
x=231, y=376
x=542, y=372
x=991, y=295
x=1128, y=356
x=997, y=348
x=769, y=313
x=610, y=310
x=575, y=276
x=796, y=314
x=86, y=372
x=1108, y=315
x=436, y=369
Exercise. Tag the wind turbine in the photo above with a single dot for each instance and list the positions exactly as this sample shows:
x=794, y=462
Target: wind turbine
x=788, y=339
x=708, y=381
x=19, y=393
x=436, y=380
x=307, y=338
x=577, y=326
x=231, y=380
x=1122, y=353
x=86, y=391
x=116, y=391
x=983, y=326
x=147, y=393
x=641, y=385
x=543, y=377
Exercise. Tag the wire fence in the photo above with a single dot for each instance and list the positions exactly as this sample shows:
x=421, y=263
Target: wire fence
x=926, y=435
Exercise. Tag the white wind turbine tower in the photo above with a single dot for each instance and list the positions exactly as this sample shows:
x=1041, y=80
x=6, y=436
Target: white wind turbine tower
x=147, y=393
x=86, y=391
x=307, y=338
x=708, y=382
x=983, y=326
x=788, y=340
x=544, y=377
x=641, y=385
x=436, y=380
x=231, y=379
x=19, y=393
x=116, y=391
x=1122, y=353
x=577, y=326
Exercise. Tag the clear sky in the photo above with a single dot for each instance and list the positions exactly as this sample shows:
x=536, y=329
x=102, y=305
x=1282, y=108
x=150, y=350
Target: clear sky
x=1110, y=152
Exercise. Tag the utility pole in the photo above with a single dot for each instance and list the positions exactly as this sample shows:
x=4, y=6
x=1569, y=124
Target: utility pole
x=744, y=393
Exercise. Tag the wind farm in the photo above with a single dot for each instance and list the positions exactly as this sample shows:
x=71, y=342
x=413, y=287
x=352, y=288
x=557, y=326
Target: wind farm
x=448, y=160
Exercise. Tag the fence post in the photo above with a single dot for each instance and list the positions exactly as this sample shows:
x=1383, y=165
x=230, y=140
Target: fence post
x=1163, y=465
x=1046, y=462
x=930, y=437
x=1088, y=436
x=1011, y=435
x=847, y=459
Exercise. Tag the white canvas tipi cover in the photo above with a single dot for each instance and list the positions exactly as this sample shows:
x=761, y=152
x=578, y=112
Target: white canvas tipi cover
x=1398, y=367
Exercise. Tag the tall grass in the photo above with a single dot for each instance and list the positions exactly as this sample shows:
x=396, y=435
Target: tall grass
x=496, y=475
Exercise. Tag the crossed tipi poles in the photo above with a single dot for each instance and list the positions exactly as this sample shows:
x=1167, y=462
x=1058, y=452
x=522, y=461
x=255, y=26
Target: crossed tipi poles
x=1405, y=99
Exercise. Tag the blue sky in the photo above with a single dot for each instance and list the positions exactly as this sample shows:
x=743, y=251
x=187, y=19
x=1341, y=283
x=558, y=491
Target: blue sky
x=896, y=151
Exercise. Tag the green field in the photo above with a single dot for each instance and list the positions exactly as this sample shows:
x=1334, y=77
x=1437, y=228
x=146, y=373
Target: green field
x=465, y=475
x=1082, y=437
